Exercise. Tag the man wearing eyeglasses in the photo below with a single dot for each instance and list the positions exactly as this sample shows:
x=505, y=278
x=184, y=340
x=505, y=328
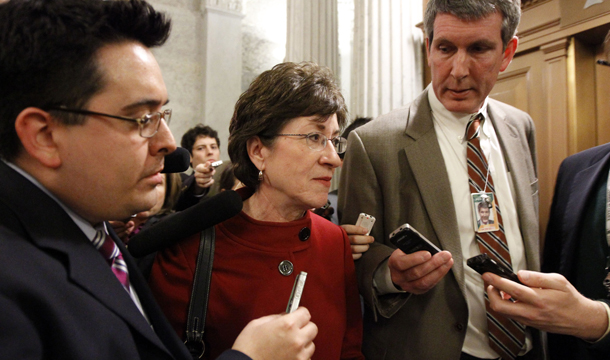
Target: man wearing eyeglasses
x=84, y=133
x=428, y=164
x=571, y=301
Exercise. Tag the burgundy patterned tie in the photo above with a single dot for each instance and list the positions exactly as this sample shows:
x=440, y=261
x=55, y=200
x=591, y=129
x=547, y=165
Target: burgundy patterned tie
x=106, y=246
x=506, y=336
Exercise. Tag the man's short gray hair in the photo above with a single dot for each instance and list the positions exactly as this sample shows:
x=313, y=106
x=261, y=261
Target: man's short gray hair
x=474, y=10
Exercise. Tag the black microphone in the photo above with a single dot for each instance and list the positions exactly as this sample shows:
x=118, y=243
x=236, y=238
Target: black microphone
x=178, y=226
x=177, y=161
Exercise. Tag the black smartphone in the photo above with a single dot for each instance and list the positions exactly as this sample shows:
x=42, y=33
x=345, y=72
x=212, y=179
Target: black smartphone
x=483, y=263
x=409, y=240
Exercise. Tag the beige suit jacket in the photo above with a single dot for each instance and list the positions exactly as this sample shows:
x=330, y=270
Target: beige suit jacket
x=395, y=171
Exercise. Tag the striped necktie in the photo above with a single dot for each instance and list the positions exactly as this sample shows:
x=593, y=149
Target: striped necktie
x=506, y=336
x=106, y=246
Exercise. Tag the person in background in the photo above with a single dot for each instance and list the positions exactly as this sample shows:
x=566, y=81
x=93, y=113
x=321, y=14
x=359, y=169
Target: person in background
x=284, y=144
x=167, y=196
x=328, y=211
x=423, y=165
x=360, y=242
x=84, y=129
x=570, y=300
x=204, y=145
x=358, y=122
x=228, y=181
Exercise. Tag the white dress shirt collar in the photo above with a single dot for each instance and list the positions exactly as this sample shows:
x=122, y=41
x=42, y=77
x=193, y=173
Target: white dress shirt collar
x=455, y=120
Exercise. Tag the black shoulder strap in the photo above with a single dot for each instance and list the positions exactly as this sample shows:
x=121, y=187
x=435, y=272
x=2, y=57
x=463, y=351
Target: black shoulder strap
x=198, y=306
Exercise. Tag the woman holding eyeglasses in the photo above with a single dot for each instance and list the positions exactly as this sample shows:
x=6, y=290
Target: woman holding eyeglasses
x=284, y=144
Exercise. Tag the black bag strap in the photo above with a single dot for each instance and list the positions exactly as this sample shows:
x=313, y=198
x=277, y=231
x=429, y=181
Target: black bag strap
x=198, y=306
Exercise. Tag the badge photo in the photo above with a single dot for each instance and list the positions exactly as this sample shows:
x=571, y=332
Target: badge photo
x=485, y=215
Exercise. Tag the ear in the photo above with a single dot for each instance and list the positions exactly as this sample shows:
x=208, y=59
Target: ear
x=256, y=151
x=509, y=52
x=35, y=128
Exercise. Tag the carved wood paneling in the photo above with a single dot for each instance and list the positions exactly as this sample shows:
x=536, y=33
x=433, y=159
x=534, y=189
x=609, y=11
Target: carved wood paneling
x=528, y=84
x=525, y=4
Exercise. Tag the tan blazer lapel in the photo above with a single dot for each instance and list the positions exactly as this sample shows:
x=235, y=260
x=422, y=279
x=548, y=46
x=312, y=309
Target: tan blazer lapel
x=433, y=182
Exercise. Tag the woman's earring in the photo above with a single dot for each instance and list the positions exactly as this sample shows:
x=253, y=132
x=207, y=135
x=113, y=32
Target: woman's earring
x=260, y=175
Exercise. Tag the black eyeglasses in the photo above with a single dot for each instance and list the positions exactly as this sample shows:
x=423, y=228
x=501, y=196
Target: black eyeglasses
x=317, y=141
x=148, y=124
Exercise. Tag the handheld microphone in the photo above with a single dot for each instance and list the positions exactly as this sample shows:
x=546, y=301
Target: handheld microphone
x=178, y=226
x=177, y=161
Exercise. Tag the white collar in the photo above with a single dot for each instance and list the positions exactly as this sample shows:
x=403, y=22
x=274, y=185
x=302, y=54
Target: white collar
x=453, y=120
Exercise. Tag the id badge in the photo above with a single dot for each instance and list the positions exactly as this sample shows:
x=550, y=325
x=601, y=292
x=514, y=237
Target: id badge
x=485, y=215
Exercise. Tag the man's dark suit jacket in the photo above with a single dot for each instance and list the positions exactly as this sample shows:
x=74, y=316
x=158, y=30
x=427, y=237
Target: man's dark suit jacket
x=58, y=297
x=575, y=189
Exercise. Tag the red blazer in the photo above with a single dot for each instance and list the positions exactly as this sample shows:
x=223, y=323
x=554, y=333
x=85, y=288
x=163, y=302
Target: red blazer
x=247, y=284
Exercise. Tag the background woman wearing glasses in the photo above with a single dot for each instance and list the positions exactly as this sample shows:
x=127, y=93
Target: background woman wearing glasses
x=284, y=143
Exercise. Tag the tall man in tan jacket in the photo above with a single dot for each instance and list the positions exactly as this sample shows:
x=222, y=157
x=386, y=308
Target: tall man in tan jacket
x=410, y=166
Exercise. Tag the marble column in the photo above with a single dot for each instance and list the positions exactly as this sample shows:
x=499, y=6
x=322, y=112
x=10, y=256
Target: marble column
x=201, y=63
x=387, y=67
x=313, y=33
x=222, y=64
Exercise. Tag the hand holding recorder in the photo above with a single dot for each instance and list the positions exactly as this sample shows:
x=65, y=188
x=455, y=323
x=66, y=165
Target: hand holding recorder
x=545, y=301
x=290, y=336
x=285, y=337
x=483, y=263
x=358, y=234
x=417, y=265
x=204, y=174
x=548, y=302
